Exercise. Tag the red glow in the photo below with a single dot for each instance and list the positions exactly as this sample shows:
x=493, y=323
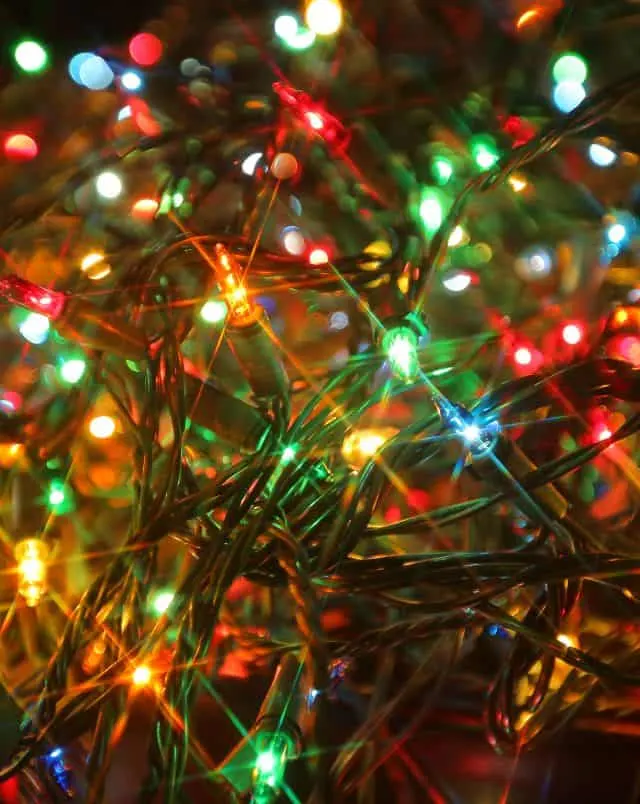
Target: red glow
x=318, y=256
x=572, y=334
x=20, y=147
x=312, y=115
x=33, y=297
x=523, y=356
x=144, y=209
x=315, y=120
x=601, y=432
x=11, y=400
x=629, y=349
x=145, y=49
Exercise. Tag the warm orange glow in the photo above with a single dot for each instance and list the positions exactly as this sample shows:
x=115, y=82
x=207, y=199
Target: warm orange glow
x=527, y=18
x=144, y=208
x=229, y=275
x=31, y=556
x=141, y=676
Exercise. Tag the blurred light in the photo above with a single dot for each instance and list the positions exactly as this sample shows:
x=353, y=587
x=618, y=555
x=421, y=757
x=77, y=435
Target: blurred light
x=213, y=311
x=141, y=676
x=11, y=401
x=602, y=156
x=318, y=256
x=189, y=67
x=145, y=49
x=72, y=371
x=177, y=199
x=293, y=241
x=517, y=183
x=568, y=95
x=315, y=120
x=456, y=283
x=458, y=237
x=31, y=557
x=108, y=185
x=20, y=147
x=360, y=446
x=572, y=334
x=338, y=321
x=431, y=211
x=102, y=427
x=523, y=356
x=324, y=17
x=527, y=18
x=288, y=454
x=250, y=163
x=75, y=63
x=91, y=259
x=286, y=26
x=57, y=496
x=55, y=754
x=568, y=640
x=617, y=233
x=442, y=169
x=131, y=81
x=30, y=56
x=601, y=432
x=302, y=40
x=35, y=328
x=570, y=67
x=124, y=113
x=145, y=208
x=535, y=263
x=162, y=601
x=484, y=152
x=94, y=73
x=400, y=345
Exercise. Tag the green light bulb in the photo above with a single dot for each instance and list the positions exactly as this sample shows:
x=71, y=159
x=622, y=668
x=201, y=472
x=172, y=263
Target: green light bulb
x=570, y=67
x=72, y=371
x=401, y=348
x=213, y=311
x=30, y=56
x=269, y=768
x=484, y=152
x=442, y=169
x=288, y=454
x=431, y=210
x=162, y=601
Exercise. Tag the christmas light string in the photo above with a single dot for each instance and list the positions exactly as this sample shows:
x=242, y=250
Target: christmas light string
x=293, y=515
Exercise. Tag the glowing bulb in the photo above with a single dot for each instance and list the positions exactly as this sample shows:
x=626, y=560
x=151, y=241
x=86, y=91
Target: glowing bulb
x=269, y=767
x=288, y=454
x=572, y=334
x=523, y=356
x=570, y=67
x=324, y=17
x=602, y=433
x=31, y=557
x=534, y=264
x=125, y=113
x=30, y=56
x=517, y=184
x=360, y=446
x=484, y=152
x=617, y=233
x=72, y=371
x=318, y=256
x=457, y=237
x=601, y=156
x=431, y=211
x=20, y=147
x=35, y=328
x=568, y=95
x=94, y=73
x=162, y=601
x=315, y=120
x=286, y=26
x=401, y=348
x=568, y=640
x=213, y=311
x=145, y=49
x=108, y=185
x=145, y=208
x=250, y=163
x=293, y=241
x=141, y=676
x=131, y=81
x=302, y=40
x=75, y=63
x=57, y=495
x=456, y=283
x=442, y=169
x=102, y=427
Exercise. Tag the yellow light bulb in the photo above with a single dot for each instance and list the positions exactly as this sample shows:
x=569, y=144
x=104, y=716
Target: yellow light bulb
x=141, y=676
x=94, y=266
x=102, y=427
x=517, y=183
x=324, y=17
x=31, y=557
x=360, y=446
x=229, y=276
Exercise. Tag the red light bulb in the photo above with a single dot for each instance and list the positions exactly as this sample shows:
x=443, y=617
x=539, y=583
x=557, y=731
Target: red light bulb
x=572, y=334
x=523, y=356
x=145, y=49
x=20, y=147
x=33, y=297
x=601, y=432
x=318, y=256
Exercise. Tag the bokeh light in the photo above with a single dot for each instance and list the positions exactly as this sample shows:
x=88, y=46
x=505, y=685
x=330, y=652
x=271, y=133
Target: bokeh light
x=572, y=334
x=131, y=81
x=30, y=56
x=602, y=156
x=318, y=256
x=108, y=185
x=94, y=73
x=293, y=241
x=250, y=163
x=141, y=676
x=457, y=282
x=523, y=356
x=75, y=63
x=35, y=328
x=286, y=26
x=72, y=370
x=484, y=151
x=145, y=49
x=431, y=211
x=324, y=17
x=102, y=427
x=214, y=311
x=162, y=601
x=568, y=95
x=570, y=67
x=20, y=147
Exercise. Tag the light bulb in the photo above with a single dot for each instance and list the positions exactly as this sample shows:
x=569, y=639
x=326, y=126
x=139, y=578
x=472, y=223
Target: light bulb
x=141, y=676
x=570, y=67
x=484, y=151
x=229, y=275
x=108, y=185
x=286, y=26
x=457, y=282
x=401, y=348
x=293, y=241
x=324, y=17
x=72, y=371
x=572, y=334
x=431, y=210
x=523, y=356
x=269, y=767
x=162, y=601
x=31, y=556
x=102, y=427
x=20, y=147
x=131, y=81
x=360, y=446
x=213, y=311
x=30, y=56
x=35, y=328
x=602, y=156
x=250, y=163
x=568, y=95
